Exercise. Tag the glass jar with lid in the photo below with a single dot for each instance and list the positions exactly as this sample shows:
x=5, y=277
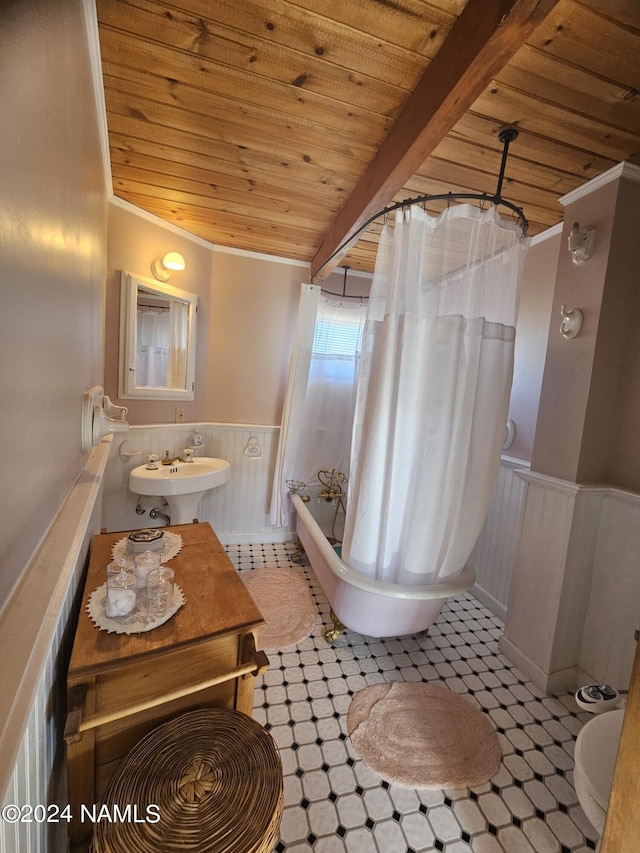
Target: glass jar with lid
x=121, y=594
x=159, y=590
x=145, y=563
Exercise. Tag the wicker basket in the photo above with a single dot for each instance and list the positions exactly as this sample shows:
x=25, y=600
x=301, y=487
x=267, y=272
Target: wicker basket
x=212, y=776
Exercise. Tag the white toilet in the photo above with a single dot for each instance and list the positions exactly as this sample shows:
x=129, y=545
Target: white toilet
x=595, y=758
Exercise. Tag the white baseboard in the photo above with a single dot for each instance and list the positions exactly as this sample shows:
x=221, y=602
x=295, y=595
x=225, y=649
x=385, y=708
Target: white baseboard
x=551, y=683
x=257, y=538
x=491, y=603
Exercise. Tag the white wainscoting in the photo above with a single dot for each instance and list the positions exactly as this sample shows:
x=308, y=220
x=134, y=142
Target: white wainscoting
x=613, y=614
x=238, y=511
x=494, y=552
x=36, y=634
x=575, y=597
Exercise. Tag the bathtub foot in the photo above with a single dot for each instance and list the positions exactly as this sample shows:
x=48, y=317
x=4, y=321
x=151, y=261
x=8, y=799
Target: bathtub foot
x=332, y=634
x=299, y=555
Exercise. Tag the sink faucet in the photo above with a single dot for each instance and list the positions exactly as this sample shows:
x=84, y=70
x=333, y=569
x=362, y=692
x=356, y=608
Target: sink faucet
x=185, y=456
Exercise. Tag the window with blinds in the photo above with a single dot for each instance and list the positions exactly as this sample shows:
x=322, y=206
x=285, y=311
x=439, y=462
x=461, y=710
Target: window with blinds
x=338, y=331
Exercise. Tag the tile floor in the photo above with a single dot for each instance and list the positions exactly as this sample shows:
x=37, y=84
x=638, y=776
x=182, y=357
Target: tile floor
x=333, y=802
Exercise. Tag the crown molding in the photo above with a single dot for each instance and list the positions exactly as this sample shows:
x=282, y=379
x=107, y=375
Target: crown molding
x=620, y=170
x=95, y=61
x=187, y=235
x=260, y=256
x=161, y=223
x=554, y=231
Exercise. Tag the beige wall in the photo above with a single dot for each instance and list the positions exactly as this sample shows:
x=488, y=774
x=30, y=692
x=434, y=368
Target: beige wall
x=569, y=363
x=246, y=318
x=133, y=243
x=575, y=569
x=52, y=232
x=532, y=331
x=253, y=311
x=248, y=306
x=585, y=428
x=621, y=313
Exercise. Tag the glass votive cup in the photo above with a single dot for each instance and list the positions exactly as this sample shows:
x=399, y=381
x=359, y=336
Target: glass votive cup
x=121, y=594
x=159, y=590
x=145, y=563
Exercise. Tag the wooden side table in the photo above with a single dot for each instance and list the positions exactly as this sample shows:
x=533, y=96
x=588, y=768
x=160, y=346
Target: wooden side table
x=121, y=686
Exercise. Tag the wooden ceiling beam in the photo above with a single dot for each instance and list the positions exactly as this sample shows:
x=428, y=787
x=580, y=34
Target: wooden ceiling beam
x=483, y=39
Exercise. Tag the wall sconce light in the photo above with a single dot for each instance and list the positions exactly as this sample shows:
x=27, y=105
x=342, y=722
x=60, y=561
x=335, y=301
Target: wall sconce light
x=571, y=322
x=163, y=267
x=581, y=243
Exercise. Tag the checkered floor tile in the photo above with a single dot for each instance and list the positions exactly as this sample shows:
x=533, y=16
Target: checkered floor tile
x=333, y=802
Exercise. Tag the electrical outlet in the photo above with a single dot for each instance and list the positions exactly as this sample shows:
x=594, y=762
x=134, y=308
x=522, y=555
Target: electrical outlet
x=179, y=414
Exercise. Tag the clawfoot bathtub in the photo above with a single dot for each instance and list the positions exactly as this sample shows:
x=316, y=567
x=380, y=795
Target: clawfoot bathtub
x=367, y=606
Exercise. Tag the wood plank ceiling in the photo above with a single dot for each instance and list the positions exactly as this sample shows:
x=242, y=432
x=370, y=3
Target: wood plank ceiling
x=251, y=123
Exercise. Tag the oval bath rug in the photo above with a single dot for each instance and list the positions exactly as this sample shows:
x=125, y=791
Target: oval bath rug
x=419, y=735
x=284, y=599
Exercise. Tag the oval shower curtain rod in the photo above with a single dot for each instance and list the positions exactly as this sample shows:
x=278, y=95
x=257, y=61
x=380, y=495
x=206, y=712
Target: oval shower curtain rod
x=506, y=137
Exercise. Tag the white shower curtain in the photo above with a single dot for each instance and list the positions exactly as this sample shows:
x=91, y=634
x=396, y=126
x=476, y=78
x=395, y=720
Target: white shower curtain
x=178, y=337
x=318, y=411
x=433, y=392
x=152, y=348
x=161, y=350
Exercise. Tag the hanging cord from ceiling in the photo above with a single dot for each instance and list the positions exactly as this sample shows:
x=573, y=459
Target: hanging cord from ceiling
x=506, y=137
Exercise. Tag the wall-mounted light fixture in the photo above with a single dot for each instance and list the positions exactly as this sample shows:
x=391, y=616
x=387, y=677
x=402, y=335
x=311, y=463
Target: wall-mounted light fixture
x=163, y=267
x=581, y=243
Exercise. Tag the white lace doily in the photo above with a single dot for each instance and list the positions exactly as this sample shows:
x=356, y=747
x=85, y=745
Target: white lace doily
x=172, y=545
x=135, y=623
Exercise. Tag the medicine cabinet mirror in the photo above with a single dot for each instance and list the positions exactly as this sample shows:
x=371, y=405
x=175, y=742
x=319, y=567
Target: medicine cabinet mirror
x=157, y=340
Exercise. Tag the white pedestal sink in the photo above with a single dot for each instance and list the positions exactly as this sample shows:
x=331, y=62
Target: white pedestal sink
x=182, y=484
